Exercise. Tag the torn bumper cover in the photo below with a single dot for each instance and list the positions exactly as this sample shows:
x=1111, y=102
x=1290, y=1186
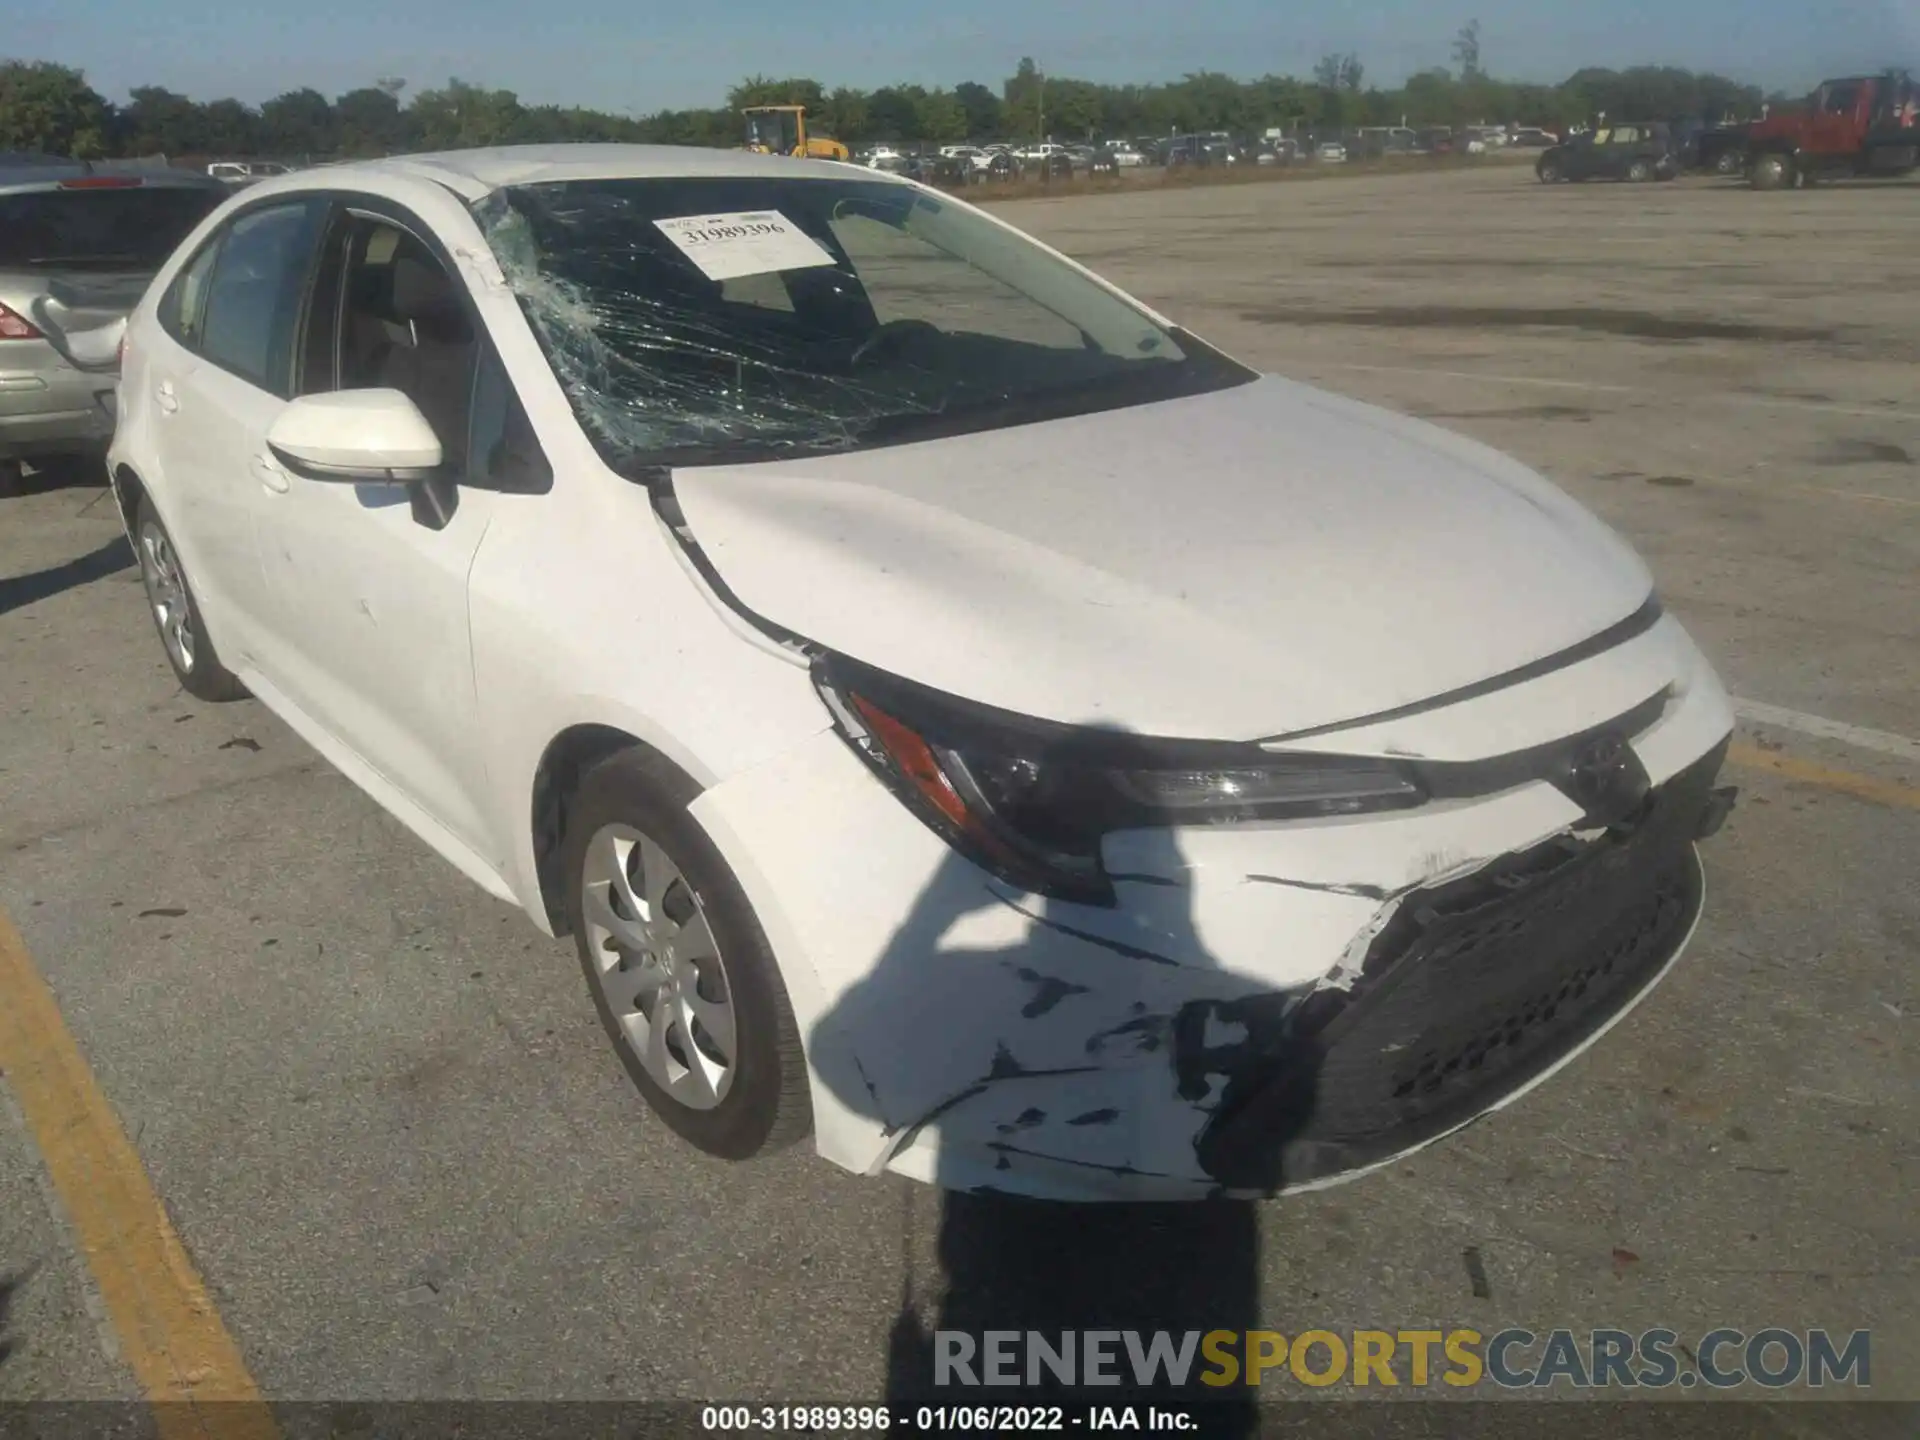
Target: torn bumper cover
x=1263, y=1010
x=1474, y=990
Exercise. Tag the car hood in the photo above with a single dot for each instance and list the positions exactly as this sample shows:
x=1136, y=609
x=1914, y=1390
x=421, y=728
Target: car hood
x=1241, y=565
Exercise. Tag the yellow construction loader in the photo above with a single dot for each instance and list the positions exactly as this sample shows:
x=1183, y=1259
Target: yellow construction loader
x=782, y=130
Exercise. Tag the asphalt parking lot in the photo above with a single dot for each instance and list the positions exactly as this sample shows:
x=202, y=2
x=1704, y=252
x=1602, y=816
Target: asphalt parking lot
x=383, y=1122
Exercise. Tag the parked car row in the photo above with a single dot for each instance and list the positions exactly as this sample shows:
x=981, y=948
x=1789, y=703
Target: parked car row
x=974, y=163
x=1647, y=150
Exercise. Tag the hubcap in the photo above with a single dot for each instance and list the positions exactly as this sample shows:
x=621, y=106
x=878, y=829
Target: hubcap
x=658, y=966
x=167, y=594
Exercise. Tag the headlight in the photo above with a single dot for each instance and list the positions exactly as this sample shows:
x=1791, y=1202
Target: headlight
x=1030, y=800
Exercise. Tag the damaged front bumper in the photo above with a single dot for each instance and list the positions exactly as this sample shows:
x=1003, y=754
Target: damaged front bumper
x=1267, y=1008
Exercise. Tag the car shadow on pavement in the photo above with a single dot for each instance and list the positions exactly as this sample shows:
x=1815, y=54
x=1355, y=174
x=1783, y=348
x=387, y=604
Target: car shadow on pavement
x=22, y=590
x=17, y=480
x=11, y=1283
x=1010, y=1263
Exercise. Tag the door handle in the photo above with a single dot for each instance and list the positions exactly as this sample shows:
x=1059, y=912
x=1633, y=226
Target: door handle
x=165, y=398
x=269, y=474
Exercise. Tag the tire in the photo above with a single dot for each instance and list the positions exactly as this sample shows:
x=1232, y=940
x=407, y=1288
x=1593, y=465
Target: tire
x=629, y=820
x=1731, y=162
x=1771, y=172
x=1548, y=171
x=1640, y=171
x=176, y=613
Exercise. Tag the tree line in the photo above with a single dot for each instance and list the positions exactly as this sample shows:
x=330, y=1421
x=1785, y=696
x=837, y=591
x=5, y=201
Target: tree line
x=49, y=107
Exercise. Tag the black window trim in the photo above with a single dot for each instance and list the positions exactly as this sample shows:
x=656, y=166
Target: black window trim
x=208, y=250
x=359, y=205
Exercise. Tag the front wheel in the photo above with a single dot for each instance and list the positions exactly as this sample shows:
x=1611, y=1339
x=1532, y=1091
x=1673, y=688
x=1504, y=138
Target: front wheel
x=1549, y=172
x=1771, y=172
x=684, y=980
x=176, y=613
x=1729, y=163
x=1640, y=171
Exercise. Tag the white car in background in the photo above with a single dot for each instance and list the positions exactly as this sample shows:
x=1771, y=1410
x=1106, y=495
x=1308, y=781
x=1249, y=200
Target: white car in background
x=240, y=173
x=1016, y=742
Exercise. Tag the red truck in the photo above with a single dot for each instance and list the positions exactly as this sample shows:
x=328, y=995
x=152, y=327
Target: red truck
x=1860, y=125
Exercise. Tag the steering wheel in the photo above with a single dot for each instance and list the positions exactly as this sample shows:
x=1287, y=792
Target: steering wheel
x=889, y=335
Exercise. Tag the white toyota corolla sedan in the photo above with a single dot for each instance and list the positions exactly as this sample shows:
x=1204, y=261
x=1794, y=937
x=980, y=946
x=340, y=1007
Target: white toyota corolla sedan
x=954, y=709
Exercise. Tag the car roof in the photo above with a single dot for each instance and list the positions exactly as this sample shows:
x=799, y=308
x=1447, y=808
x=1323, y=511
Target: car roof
x=473, y=174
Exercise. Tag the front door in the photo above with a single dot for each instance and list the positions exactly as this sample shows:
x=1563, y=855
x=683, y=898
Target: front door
x=370, y=601
x=1838, y=118
x=1578, y=159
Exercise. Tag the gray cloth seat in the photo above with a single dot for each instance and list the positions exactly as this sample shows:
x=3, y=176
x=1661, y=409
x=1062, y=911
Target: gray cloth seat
x=427, y=351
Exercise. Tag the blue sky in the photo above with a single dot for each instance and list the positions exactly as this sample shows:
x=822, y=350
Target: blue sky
x=633, y=55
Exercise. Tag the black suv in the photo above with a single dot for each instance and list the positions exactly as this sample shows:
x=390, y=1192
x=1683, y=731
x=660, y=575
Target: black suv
x=1634, y=151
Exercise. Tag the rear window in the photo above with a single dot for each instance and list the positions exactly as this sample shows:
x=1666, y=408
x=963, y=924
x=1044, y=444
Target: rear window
x=123, y=229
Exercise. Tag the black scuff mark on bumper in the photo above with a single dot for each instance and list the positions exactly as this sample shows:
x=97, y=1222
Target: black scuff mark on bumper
x=1164, y=880
x=873, y=1091
x=1119, y=1172
x=1118, y=947
x=1004, y=1067
x=1364, y=892
x=1147, y=1033
x=1048, y=991
x=1105, y=1116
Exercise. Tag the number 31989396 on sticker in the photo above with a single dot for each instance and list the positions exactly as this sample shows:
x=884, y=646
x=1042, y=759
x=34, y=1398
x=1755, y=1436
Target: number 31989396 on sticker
x=752, y=242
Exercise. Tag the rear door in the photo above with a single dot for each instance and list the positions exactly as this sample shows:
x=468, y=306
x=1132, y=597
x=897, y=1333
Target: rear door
x=217, y=382
x=1621, y=149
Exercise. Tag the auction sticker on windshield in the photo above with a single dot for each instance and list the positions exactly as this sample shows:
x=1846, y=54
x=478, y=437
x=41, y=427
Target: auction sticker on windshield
x=747, y=243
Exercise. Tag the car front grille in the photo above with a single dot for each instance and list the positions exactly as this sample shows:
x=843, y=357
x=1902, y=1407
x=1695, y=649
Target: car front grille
x=1474, y=988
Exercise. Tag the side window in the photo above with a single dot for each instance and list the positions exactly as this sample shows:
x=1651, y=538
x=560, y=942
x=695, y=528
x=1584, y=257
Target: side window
x=254, y=297
x=185, y=302
x=403, y=325
x=503, y=453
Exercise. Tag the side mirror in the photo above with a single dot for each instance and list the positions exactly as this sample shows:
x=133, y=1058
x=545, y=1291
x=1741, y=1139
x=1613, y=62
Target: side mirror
x=356, y=437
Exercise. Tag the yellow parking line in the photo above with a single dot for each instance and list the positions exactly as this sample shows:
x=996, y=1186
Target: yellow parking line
x=186, y=1363
x=1863, y=787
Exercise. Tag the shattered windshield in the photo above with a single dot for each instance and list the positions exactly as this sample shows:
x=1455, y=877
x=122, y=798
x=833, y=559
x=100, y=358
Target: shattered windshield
x=720, y=320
